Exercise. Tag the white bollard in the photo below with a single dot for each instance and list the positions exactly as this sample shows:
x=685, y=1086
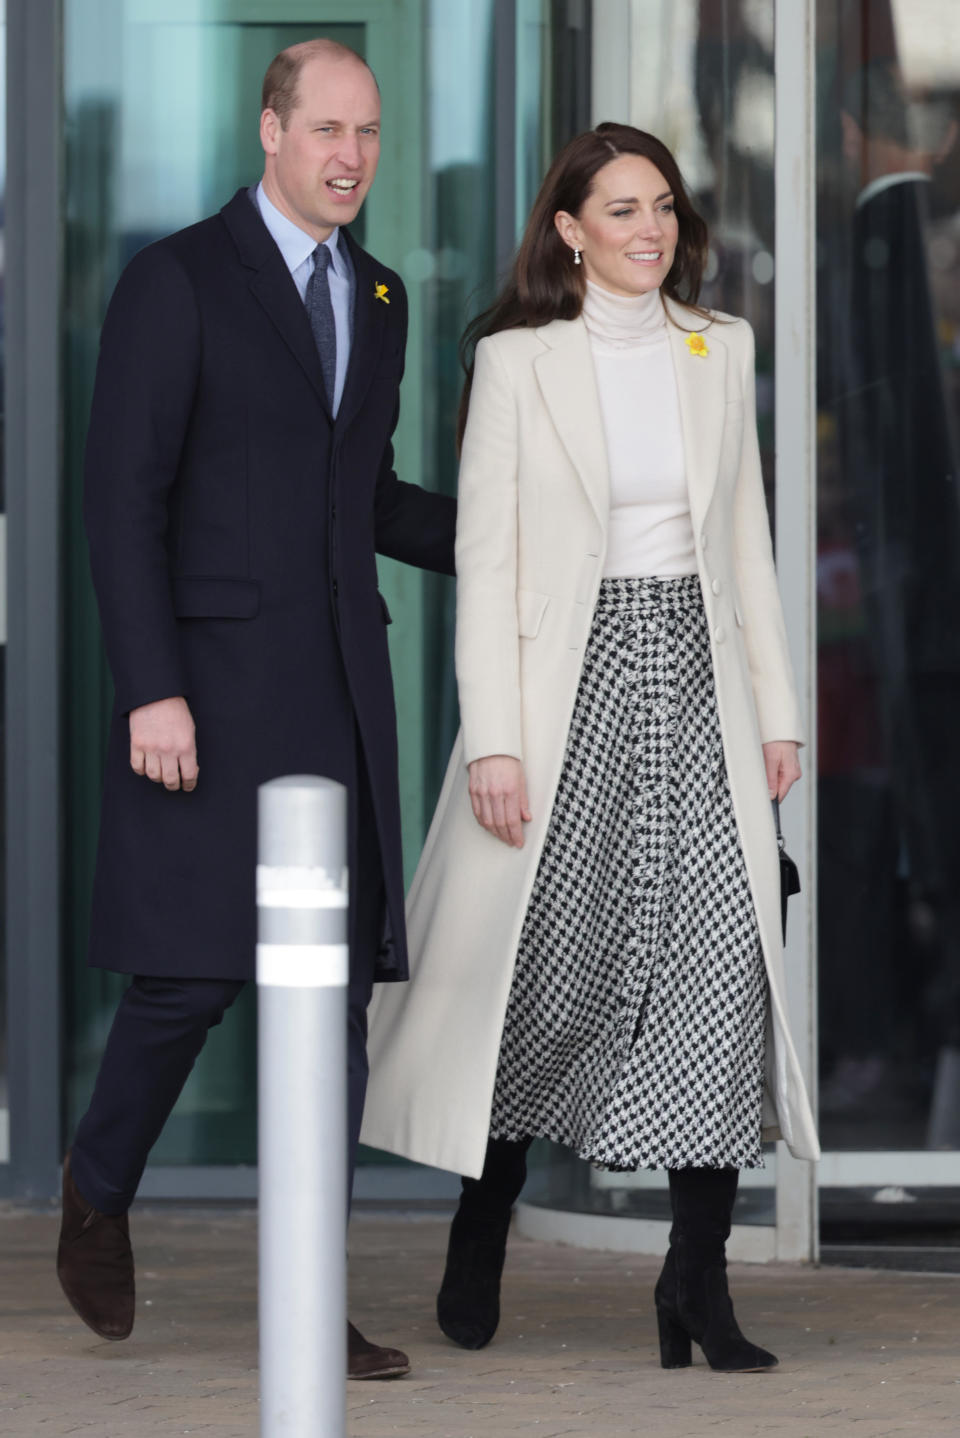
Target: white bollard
x=302, y=972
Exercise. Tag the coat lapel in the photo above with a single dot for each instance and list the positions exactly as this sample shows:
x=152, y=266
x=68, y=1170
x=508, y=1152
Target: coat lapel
x=702, y=395
x=568, y=385
x=272, y=285
x=370, y=318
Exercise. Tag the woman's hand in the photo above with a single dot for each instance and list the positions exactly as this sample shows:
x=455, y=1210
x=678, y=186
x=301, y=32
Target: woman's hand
x=782, y=765
x=498, y=793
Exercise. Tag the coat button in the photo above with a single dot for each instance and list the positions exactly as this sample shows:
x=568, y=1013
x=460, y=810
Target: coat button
x=716, y=586
x=336, y=589
x=719, y=634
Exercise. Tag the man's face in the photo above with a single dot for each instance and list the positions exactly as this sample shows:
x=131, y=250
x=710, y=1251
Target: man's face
x=319, y=169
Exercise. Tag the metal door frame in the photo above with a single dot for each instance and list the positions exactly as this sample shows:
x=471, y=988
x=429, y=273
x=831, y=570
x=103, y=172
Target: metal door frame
x=33, y=698
x=795, y=411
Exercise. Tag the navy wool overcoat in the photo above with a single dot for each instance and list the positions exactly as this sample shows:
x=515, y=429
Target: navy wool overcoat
x=233, y=526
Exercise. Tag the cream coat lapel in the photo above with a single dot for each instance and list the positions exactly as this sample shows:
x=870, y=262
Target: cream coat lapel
x=568, y=385
x=702, y=393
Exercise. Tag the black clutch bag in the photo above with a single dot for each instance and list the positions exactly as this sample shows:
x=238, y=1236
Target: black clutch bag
x=789, y=873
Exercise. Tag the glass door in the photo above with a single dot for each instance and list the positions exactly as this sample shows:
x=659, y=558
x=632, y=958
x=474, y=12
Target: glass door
x=888, y=624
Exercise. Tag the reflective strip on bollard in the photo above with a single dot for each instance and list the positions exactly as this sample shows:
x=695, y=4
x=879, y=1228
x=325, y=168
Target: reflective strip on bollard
x=303, y=966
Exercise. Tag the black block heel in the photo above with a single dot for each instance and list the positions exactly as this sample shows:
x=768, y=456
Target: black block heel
x=676, y=1350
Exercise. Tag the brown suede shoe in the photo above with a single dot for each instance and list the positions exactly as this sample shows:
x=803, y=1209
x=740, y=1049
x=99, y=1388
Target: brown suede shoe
x=95, y=1263
x=366, y=1360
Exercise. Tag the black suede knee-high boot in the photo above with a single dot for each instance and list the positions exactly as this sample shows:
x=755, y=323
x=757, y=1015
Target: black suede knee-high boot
x=692, y=1298
x=468, y=1304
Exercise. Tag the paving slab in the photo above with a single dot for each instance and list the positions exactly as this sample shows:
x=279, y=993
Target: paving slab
x=865, y=1354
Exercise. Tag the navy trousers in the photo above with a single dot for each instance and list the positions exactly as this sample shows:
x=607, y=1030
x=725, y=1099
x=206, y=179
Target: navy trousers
x=160, y=1026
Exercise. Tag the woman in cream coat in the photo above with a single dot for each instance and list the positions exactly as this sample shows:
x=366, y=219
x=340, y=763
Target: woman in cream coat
x=594, y=925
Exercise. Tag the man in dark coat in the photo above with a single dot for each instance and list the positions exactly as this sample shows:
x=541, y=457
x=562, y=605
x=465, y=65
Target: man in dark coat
x=239, y=482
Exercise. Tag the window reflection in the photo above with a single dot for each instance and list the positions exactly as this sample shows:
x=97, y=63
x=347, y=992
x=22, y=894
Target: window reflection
x=462, y=241
x=888, y=575
x=703, y=79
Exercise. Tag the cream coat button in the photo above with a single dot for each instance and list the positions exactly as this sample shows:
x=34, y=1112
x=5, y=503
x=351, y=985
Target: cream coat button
x=716, y=586
x=719, y=634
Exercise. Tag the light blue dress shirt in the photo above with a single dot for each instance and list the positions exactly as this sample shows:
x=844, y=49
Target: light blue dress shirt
x=297, y=248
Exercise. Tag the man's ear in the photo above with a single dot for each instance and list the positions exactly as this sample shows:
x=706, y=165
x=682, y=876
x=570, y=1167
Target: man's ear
x=270, y=129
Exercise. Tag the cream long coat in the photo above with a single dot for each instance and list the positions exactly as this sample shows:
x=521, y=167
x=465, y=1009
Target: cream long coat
x=531, y=538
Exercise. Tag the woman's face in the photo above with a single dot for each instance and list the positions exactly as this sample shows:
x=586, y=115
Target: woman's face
x=627, y=227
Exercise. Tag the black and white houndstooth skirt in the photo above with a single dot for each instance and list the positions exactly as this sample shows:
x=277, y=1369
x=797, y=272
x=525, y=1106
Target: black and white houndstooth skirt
x=634, y=1032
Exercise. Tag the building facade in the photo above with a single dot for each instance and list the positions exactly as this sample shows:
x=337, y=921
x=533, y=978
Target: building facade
x=821, y=141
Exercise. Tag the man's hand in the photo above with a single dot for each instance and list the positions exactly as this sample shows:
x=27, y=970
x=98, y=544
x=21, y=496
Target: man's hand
x=783, y=767
x=163, y=744
x=498, y=793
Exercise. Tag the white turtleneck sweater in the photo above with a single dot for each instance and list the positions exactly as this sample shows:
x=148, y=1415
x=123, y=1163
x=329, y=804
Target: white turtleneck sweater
x=650, y=533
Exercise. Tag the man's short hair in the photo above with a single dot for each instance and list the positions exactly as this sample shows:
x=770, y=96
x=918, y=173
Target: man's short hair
x=282, y=79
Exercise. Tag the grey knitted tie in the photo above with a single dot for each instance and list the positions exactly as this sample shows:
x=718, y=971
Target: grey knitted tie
x=320, y=311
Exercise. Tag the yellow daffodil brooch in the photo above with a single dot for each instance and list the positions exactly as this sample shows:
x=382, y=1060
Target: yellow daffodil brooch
x=381, y=293
x=697, y=345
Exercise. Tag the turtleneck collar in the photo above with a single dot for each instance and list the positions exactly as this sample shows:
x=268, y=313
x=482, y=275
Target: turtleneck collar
x=623, y=321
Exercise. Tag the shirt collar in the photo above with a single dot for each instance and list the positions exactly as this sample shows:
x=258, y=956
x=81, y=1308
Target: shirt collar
x=295, y=244
x=886, y=182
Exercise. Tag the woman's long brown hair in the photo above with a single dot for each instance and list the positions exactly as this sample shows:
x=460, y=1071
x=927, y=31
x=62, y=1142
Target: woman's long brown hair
x=544, y=284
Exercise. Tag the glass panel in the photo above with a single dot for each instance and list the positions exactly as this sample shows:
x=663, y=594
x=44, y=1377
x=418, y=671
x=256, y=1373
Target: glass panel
x=701, y=78
x=448, y=266
x=533, y=137
x=446, y=257
x=888, y=573
x=4, y=1102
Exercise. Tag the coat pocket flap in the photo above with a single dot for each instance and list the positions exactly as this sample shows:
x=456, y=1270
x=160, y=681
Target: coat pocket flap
x=197, y=596
x=530, y=611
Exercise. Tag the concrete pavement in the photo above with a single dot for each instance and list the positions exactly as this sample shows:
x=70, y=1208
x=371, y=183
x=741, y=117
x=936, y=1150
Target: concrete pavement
x=866, y=1354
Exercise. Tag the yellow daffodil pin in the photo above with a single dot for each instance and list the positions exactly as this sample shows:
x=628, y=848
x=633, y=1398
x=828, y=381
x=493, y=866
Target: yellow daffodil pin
x=381, y=293
x=697, y=345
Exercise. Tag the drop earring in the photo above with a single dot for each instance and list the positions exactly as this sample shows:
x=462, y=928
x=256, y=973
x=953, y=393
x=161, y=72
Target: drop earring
x=576, y=257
